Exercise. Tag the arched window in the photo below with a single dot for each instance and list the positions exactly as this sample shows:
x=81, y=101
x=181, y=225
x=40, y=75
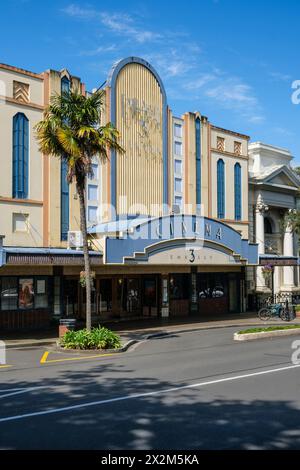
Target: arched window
x=221, y=188
x=65, y=85
x=268, y=226
x=237, y=192
x=20, y=156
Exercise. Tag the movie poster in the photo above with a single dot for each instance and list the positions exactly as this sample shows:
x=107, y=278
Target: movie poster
x=26, y=293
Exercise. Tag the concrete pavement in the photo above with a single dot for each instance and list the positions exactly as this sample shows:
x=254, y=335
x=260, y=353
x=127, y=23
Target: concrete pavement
x=142, y=329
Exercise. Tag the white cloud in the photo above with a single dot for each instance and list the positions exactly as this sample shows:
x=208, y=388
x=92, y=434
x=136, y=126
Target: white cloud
x=119, y=23
x=80, y=13
x=281, y=77
x=98, y=51
x=178, y=59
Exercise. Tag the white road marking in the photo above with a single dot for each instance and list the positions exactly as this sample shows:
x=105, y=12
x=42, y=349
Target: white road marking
x=144, y=395
x=20, y=391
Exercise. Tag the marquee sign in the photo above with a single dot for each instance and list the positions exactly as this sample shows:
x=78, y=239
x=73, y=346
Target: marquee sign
x=179, y=239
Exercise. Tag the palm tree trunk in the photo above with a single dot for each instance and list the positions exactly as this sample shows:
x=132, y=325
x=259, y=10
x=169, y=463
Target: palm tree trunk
x=87, y=267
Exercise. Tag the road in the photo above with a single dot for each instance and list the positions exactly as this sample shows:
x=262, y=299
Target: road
x=197, y=390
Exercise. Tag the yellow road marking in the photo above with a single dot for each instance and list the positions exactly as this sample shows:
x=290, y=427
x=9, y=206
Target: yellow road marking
x=81, y=358
x=4, y=367
x=44, y=357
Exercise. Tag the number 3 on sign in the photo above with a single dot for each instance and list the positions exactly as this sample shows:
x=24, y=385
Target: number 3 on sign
x=193, y=257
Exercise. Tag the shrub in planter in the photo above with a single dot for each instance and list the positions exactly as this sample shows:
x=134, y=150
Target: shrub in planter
x=97, y=338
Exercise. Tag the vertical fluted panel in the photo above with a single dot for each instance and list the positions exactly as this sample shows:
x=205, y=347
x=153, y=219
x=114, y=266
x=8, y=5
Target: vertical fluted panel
x=140, y=120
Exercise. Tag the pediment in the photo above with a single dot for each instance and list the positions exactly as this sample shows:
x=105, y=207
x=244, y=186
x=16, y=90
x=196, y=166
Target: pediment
x=283, y=177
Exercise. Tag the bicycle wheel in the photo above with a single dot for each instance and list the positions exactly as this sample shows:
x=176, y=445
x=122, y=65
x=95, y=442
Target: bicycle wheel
x=264, y=314
x=284, y=315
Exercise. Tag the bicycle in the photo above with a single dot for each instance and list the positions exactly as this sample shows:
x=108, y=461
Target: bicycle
x=275, y=311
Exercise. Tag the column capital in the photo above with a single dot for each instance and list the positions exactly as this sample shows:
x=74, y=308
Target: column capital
x=261, y=207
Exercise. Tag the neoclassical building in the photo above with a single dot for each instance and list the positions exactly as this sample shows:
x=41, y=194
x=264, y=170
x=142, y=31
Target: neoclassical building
x=177, y=225
x=273, y=190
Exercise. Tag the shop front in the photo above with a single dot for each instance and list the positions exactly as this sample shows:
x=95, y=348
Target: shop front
x=173, y=266
x=36, y=287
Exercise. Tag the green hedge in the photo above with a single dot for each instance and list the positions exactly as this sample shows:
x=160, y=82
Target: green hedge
x=98, y=338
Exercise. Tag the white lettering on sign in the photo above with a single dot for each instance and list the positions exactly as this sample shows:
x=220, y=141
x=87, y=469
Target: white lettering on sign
x=167, y=231
x=207, y=230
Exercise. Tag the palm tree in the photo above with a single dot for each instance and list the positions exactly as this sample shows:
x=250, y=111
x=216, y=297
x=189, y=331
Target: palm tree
x=71, y=131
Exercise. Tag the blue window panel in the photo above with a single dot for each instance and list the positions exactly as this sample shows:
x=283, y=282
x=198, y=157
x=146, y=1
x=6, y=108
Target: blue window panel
x=178, y=185
x=65, y=85
x=92, y=214
x=178, y=130
x=178, y=201
x=20, y=156
x=65, y=190
x=178, y=167
x=92, y=192
x=178, y=148
x=95, y=171
x=237, y=192
x=65, y=201
x=198, y=162
x=221, y=188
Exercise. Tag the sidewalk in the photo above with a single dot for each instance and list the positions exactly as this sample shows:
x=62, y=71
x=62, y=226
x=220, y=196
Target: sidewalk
x=138, y=330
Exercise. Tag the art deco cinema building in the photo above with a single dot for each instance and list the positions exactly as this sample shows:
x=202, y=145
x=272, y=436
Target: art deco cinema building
x=176, y=240
x=169, y=220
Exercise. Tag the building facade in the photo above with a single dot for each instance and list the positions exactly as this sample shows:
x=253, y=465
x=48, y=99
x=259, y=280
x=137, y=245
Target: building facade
x=173, y=222
x=37, y=207
x=273, y=191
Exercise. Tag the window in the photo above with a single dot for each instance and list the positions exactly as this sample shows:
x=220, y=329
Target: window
x=65, y=85
x=178, y=148
x=24, y=293
x=178, y=201
x=20, y=222
x=238, y=148
x=92, y=214
x=41, y=293
x=177, y=130
x=179, y=287
x=178, y=167
x=221, y=144
x=95, y=170
x=237, y=192
x=212, y=286
x=178, y=185
x=198, y=162
x=21, y=92
x=268, y=226
x=221, y=189
x=9, y=293
x=65, y=190
x=20, y=156
x=92, y=192
x=65, y=203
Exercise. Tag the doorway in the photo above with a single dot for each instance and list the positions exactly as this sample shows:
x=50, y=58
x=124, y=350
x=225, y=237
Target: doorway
x=150, y=301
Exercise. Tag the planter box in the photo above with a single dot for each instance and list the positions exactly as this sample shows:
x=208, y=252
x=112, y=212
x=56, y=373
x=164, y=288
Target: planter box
x=266, y=334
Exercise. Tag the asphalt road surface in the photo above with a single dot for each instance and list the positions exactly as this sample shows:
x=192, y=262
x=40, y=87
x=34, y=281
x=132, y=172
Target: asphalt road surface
x=197, y=390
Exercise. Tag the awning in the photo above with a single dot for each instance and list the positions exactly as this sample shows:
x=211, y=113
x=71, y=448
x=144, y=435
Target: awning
x=272, y=260
x=46, y=257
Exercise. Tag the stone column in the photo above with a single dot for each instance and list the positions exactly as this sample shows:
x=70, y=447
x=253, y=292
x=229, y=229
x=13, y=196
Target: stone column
x=260, y=210
x=288, y=250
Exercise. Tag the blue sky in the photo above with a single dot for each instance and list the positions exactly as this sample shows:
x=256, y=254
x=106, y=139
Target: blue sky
x=232, y=60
